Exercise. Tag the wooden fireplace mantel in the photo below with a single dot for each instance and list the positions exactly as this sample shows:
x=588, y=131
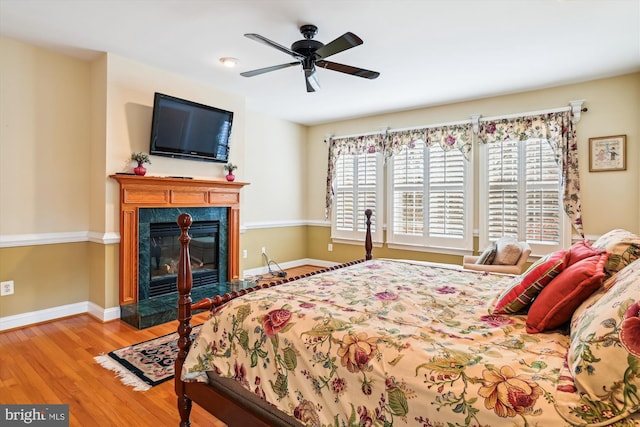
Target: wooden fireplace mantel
x=164, y=192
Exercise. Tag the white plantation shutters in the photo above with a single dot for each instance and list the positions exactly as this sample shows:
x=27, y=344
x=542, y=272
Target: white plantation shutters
x=428, y=204
x=357, y=187
x=521, y=197
x=344, y=194
x=543, y=208
x=408, y=189
x=446, y=193
x=503, y=189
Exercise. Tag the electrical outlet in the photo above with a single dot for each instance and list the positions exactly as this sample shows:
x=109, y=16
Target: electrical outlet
x=6, y=288
x=330, y=247
x=244, y=253
x=264, y=250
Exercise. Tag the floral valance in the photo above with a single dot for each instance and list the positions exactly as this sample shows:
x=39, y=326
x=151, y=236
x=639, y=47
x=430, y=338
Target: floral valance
x=559, y=130
x=374, y=143
x=448, y=137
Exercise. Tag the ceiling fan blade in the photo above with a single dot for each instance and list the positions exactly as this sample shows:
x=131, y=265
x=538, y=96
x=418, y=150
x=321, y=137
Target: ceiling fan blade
x=342, y=43
x=348, y=69
x=267, y=69
x=264, y=40
x=311, y=80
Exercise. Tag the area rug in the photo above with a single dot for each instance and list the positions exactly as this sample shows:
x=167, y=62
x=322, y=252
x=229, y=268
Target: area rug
x=145, y=364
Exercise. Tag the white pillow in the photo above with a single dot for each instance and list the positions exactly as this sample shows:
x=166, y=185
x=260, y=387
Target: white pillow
x=509, y=251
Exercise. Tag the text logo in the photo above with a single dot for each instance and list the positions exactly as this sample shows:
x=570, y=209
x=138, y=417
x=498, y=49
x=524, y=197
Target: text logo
x=34, y=415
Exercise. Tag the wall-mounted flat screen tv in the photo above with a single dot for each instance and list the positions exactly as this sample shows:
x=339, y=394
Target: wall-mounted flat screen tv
x=189, y=130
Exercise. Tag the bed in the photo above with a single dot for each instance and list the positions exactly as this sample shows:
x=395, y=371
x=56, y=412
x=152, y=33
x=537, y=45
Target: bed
x=380, y=342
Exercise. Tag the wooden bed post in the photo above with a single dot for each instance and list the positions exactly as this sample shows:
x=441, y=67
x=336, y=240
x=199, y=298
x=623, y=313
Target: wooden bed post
x=184, y=317
x=368, y=246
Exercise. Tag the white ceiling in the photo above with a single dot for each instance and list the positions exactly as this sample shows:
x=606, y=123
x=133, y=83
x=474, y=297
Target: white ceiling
x=428, y=52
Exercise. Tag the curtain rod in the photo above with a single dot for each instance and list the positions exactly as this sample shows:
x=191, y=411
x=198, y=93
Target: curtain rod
x=575, y=106
x=389, y=130
x=530, y=113
x=437, y=125
x=355, y=135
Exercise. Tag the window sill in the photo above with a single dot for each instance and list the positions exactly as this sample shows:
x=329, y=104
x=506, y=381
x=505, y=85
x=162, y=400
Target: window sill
x=355, y=242
x=408, y=247
x=432, y=249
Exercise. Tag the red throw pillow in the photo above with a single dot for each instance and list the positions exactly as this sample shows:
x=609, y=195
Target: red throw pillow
x=581, y=250
x=557, y=302
x=525, y=288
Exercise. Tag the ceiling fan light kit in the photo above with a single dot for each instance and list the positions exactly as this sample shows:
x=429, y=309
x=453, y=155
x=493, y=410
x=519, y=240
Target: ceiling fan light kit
x=311, y=53
x=229, y=62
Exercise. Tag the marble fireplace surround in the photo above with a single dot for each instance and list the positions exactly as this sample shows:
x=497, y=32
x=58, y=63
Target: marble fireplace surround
x=138, y=192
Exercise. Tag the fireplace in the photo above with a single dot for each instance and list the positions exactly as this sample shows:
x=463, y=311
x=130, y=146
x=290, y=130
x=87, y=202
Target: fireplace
x=141, y=196
x=165, y=255
x=159, y=248
x=145, y=200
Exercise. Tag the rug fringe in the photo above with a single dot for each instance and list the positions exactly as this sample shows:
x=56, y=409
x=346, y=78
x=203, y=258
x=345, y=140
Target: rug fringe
x=126, y=377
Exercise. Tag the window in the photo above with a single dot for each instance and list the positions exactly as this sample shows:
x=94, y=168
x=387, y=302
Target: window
x=520, y=195
x=428, y=207
x=357, y=187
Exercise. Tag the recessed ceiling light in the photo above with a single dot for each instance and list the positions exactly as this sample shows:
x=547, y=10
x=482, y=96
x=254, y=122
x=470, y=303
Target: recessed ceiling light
x=229, y=62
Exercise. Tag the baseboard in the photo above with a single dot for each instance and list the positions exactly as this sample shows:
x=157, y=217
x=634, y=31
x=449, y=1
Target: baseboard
x=53, y=313
x=113, y=313
x=103, y=314
x=289, y=264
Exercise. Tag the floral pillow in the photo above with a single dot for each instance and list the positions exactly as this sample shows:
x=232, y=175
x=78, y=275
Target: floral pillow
x=624, y=247
x=603, y=361
x=526, y=287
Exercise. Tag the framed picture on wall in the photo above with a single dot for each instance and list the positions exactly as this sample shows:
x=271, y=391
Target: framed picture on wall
x=608, y=153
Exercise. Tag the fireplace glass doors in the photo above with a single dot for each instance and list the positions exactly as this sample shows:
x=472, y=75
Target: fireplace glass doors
x=164, y=251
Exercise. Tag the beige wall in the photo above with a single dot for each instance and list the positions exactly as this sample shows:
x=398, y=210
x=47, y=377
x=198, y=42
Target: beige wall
x=282, y=244
x=45, y=276
x=275, y=165
x=67, y=124
x=45, y=129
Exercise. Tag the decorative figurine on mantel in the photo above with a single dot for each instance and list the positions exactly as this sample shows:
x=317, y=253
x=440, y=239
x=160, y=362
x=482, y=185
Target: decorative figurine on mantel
x=141, y=158
x=230, y=167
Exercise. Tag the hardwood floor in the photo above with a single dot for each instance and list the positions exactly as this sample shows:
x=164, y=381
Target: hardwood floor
x=291, y=272
x=52, y=363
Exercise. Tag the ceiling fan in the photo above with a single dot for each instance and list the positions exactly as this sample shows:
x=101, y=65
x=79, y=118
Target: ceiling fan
x=311, y=53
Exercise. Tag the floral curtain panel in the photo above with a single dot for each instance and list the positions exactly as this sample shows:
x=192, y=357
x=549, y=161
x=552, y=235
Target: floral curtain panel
x=559, y=130
x=352, y=145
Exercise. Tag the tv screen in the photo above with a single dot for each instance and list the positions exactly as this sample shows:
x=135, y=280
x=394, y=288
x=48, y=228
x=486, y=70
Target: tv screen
x=188, y=130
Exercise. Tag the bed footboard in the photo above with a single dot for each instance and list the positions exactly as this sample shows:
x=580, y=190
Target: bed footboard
x=222, y=400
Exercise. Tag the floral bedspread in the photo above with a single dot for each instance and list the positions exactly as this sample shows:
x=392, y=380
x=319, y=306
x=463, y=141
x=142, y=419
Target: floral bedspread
x=386, y=343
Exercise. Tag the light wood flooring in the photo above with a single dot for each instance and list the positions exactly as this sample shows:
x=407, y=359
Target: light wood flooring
x=52, y=363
